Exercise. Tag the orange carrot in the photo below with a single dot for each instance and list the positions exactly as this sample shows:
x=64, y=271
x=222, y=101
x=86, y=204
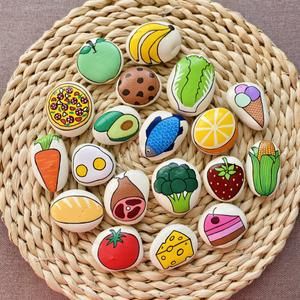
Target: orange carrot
x=48, y=162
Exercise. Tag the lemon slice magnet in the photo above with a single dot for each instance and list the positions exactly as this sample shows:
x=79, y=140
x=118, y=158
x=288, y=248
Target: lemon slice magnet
x=215, y=131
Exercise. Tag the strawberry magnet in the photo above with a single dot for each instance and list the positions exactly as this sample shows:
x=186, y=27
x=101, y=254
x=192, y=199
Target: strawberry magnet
x=224, y=178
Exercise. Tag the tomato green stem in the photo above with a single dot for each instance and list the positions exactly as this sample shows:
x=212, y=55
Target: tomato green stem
x=115, y=237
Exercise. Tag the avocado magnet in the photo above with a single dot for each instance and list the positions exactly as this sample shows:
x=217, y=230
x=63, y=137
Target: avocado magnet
x=117, y=125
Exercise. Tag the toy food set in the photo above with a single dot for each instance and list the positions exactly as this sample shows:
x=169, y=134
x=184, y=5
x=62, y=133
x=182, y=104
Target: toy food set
x=176, y=184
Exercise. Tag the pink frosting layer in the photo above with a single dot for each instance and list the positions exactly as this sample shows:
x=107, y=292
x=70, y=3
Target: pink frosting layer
x=223, y=233
x=225, y=221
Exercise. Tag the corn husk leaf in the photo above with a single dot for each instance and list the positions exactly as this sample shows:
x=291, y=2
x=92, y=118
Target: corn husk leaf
x=275, y=170
x=265, y=169
x=256, y=173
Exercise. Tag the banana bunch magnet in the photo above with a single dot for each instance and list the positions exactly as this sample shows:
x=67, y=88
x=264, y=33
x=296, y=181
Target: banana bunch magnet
x=153, y=43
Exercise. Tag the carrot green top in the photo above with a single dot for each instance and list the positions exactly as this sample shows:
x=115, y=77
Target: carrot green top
x=46, y=140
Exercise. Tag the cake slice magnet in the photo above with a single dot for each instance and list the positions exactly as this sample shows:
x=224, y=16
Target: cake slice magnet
x=222, y=225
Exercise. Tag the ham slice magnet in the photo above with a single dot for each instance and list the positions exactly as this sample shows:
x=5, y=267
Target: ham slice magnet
x=128, y=202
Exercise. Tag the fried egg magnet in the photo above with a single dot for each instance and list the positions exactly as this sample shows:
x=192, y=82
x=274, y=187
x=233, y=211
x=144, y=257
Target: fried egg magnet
x=92, y=165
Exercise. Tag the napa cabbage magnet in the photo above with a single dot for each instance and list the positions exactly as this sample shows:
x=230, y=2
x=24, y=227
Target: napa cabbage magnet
x=191, y=85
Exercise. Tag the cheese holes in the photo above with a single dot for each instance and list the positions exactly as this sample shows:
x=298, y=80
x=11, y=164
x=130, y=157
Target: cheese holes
x=180, y=252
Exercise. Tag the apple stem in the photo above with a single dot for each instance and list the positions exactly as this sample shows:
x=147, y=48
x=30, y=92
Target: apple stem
x=92, y=45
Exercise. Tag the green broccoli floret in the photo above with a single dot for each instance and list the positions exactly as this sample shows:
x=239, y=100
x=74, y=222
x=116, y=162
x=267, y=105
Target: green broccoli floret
x=177, y=182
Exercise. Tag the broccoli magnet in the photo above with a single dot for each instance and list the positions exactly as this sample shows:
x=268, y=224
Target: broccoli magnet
x=176, y=185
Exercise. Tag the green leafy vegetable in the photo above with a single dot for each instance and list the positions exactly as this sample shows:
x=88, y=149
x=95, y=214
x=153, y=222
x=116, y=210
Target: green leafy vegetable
x=193, y=80
x=177, y=182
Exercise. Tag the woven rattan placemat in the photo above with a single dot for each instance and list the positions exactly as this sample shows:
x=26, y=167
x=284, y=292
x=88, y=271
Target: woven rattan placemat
x=240, y=52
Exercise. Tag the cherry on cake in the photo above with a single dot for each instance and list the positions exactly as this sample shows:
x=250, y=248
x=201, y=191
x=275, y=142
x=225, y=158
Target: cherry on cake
x=222, y=225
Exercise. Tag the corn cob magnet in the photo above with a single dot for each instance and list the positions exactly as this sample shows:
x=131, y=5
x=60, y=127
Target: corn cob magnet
x=263, y=168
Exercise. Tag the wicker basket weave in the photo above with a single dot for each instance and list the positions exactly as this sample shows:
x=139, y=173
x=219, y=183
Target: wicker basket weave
x=240, y=52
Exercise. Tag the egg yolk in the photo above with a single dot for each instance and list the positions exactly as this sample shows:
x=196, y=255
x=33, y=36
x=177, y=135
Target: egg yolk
x=99, y=163
x=81, y=170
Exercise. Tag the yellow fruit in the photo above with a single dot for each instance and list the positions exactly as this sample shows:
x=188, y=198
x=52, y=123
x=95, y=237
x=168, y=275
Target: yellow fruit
x=149, y=47
x=215, y=131
x=143, y=44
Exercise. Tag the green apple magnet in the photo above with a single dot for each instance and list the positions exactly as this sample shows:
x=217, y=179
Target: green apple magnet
x=99, y=61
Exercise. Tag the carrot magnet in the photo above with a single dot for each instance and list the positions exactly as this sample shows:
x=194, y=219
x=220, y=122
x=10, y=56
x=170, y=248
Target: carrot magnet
x=49, y=162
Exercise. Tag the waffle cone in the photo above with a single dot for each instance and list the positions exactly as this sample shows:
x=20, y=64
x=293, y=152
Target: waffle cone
x=255, y=110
